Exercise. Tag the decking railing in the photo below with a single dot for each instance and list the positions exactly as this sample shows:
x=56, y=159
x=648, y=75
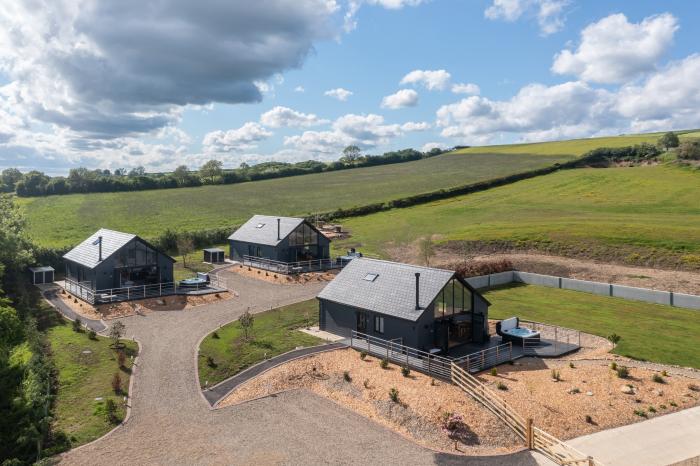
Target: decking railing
x=554, y=334
x=110, y=295
x=403, y=355
x=289, y=268
x=534, y=437
x=489, y=357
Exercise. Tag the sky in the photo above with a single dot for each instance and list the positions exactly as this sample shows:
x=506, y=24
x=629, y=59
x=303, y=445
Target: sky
x=106, y=84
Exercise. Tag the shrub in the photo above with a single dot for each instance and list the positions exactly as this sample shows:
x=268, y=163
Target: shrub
x=92, y=335
x=117, y=383
x=116, y=331
x=476, y=268
x=689, y=150
x=121, y=358
x=556, y=376
x=76, y=324
x=651, y=409
x=453, y=425
x=663, y=406
x=657, y=378
x=405, y=371
x=366, y=383
x=614, y=338
x=571, y=365
x=210, y=362
x=215, y=335
x=384, y=363
x=363, y=355
x=494, y=372
x=589, y=419
x=575, y=390
x=111, y=411
x=673, y=403
x=623, y=372
x=394, y=395
x=664, y=373
x=640, y=413
x=346, y=376
x=613, y=365
x=501, y=386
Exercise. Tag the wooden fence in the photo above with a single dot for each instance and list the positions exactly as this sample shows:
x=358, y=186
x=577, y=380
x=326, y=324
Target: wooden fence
x=535, y=438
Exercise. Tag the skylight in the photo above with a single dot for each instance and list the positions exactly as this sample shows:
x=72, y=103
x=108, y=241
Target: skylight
x=260, y=225
x=370, y=277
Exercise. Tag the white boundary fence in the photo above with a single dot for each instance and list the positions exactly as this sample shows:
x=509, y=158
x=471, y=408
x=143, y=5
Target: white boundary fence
x=668, y=298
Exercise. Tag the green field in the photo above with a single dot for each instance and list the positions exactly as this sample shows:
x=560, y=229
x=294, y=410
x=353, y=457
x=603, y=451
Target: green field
x=650, y=332
x=274, y=332
x=66, y=220
x=83, y=377
x=644, y=215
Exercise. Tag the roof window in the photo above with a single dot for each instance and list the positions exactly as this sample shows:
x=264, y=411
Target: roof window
x=370, y=277
x=259, y=225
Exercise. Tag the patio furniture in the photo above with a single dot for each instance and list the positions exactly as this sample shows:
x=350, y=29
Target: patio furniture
x=509, y=330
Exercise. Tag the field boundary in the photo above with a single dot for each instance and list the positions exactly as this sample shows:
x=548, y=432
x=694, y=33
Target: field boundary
x=668, y=298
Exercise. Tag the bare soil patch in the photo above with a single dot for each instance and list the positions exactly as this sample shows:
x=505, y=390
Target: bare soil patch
x=273, y=277
x=594, y=390
x=419, y=414
x=141, y=306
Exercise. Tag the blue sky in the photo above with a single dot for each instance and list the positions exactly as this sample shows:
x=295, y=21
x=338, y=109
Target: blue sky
x=132, y=86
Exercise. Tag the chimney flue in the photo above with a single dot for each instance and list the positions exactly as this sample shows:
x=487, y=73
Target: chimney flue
x=417, y=291
x=99, y=258
x=278, y=229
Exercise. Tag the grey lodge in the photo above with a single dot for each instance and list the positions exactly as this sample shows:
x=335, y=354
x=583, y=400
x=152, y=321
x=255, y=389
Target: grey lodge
x=426, y=308
x=282, y=239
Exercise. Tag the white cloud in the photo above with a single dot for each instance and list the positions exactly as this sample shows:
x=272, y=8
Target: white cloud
x=235, y=140
x=428, y=146
x=466, y=88
x=402, y=98
x=338, y=93
x=613, y=50
x=411, y=126
x=281, y=117
x=350, y=17
x=299, y=89
x=548, y=13
x=431, y=79
x=366, y=131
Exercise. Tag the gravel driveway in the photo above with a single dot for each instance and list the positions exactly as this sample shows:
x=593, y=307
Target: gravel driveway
x=172, y=424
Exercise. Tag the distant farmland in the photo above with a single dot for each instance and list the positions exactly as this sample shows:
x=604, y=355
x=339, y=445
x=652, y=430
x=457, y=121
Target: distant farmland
x=65, y=220
x=642, y=215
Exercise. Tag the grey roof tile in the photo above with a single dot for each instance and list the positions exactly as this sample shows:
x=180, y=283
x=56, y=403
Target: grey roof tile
x=267, y=233
x=392, y=292
x=87, y=252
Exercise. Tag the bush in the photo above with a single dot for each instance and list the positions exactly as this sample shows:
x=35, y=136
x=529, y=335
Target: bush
x=366, y=383
x=664, y=373
x=663, y=407
x=384, y=364
x=494, y=372
x=346, y=376
x=215, y=335
x=363, y=355
x=121, y=358
x=76, y=324
x=405, y=371
x=556, y=376
x=640, y=413
x=476, y=268
x=501, y=386
x=571, y=365
x=117, y=383
x=210, y=362
x=673, y=403
x=689, y=150
x=613, y=365
x=589, y=419
x=614, y=338
x=111, y=411
x=657, y=378
x=394, y=395
x=651, y=409
x=92, y=335
x=623, y=372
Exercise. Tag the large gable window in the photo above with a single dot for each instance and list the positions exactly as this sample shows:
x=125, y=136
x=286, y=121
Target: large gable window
x=453, y=299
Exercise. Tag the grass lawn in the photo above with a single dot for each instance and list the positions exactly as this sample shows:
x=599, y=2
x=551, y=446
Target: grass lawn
x=82, y=377
x=649, y=332
x=194, y=263
x=626, y=214
x=274, y=332
x=57, y=221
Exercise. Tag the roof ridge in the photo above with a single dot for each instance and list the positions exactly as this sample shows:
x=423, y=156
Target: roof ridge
x=403, y=264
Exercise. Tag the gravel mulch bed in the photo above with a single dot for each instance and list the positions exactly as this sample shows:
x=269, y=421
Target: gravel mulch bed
x=589, y=389
x=272, y=277
x=423, y=401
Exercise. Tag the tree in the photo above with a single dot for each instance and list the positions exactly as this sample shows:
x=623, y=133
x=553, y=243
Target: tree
x=9, y=178
x=351, y=154
x=211, y=169
x=689, y=150
x=426, y=249
x=138, y=171
x=185, y=246
x=669, y=140
x=120, y=172
x=32, y=183
x=115, y=332
x=181, y=174
x=246, y=321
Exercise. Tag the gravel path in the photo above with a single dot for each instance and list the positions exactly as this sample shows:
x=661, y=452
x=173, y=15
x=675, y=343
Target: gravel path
x=171, y=423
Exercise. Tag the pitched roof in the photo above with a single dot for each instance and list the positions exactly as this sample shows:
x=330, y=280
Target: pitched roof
x=87, y=252
x=391, y=292
x=262, y=229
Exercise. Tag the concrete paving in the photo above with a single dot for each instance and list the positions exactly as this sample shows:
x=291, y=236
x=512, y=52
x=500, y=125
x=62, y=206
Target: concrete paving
x=660, y=441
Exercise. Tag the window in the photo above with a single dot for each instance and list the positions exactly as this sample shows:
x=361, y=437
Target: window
x=370, y=277
x=259, y=225
x=379, y=324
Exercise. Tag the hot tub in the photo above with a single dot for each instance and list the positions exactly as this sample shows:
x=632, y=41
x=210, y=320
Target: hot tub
x=201, y=279
x=509, y=330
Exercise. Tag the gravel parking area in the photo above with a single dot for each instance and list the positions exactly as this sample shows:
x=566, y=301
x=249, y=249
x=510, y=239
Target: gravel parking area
x=171, y=422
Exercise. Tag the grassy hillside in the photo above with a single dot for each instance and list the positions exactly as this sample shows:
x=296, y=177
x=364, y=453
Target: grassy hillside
x=636, y=215
x=66, y=220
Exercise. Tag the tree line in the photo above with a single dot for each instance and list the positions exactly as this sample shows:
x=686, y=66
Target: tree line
x=84, y=180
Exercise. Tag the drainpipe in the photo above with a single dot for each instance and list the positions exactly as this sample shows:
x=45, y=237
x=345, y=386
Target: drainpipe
x=278, y=229
x=99, y=257
x=417, y=291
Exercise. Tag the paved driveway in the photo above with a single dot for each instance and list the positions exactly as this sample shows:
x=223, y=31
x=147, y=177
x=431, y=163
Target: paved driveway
x=171, y=422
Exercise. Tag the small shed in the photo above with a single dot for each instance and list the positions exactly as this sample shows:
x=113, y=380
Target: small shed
x=41, y=274
x=214, y=255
